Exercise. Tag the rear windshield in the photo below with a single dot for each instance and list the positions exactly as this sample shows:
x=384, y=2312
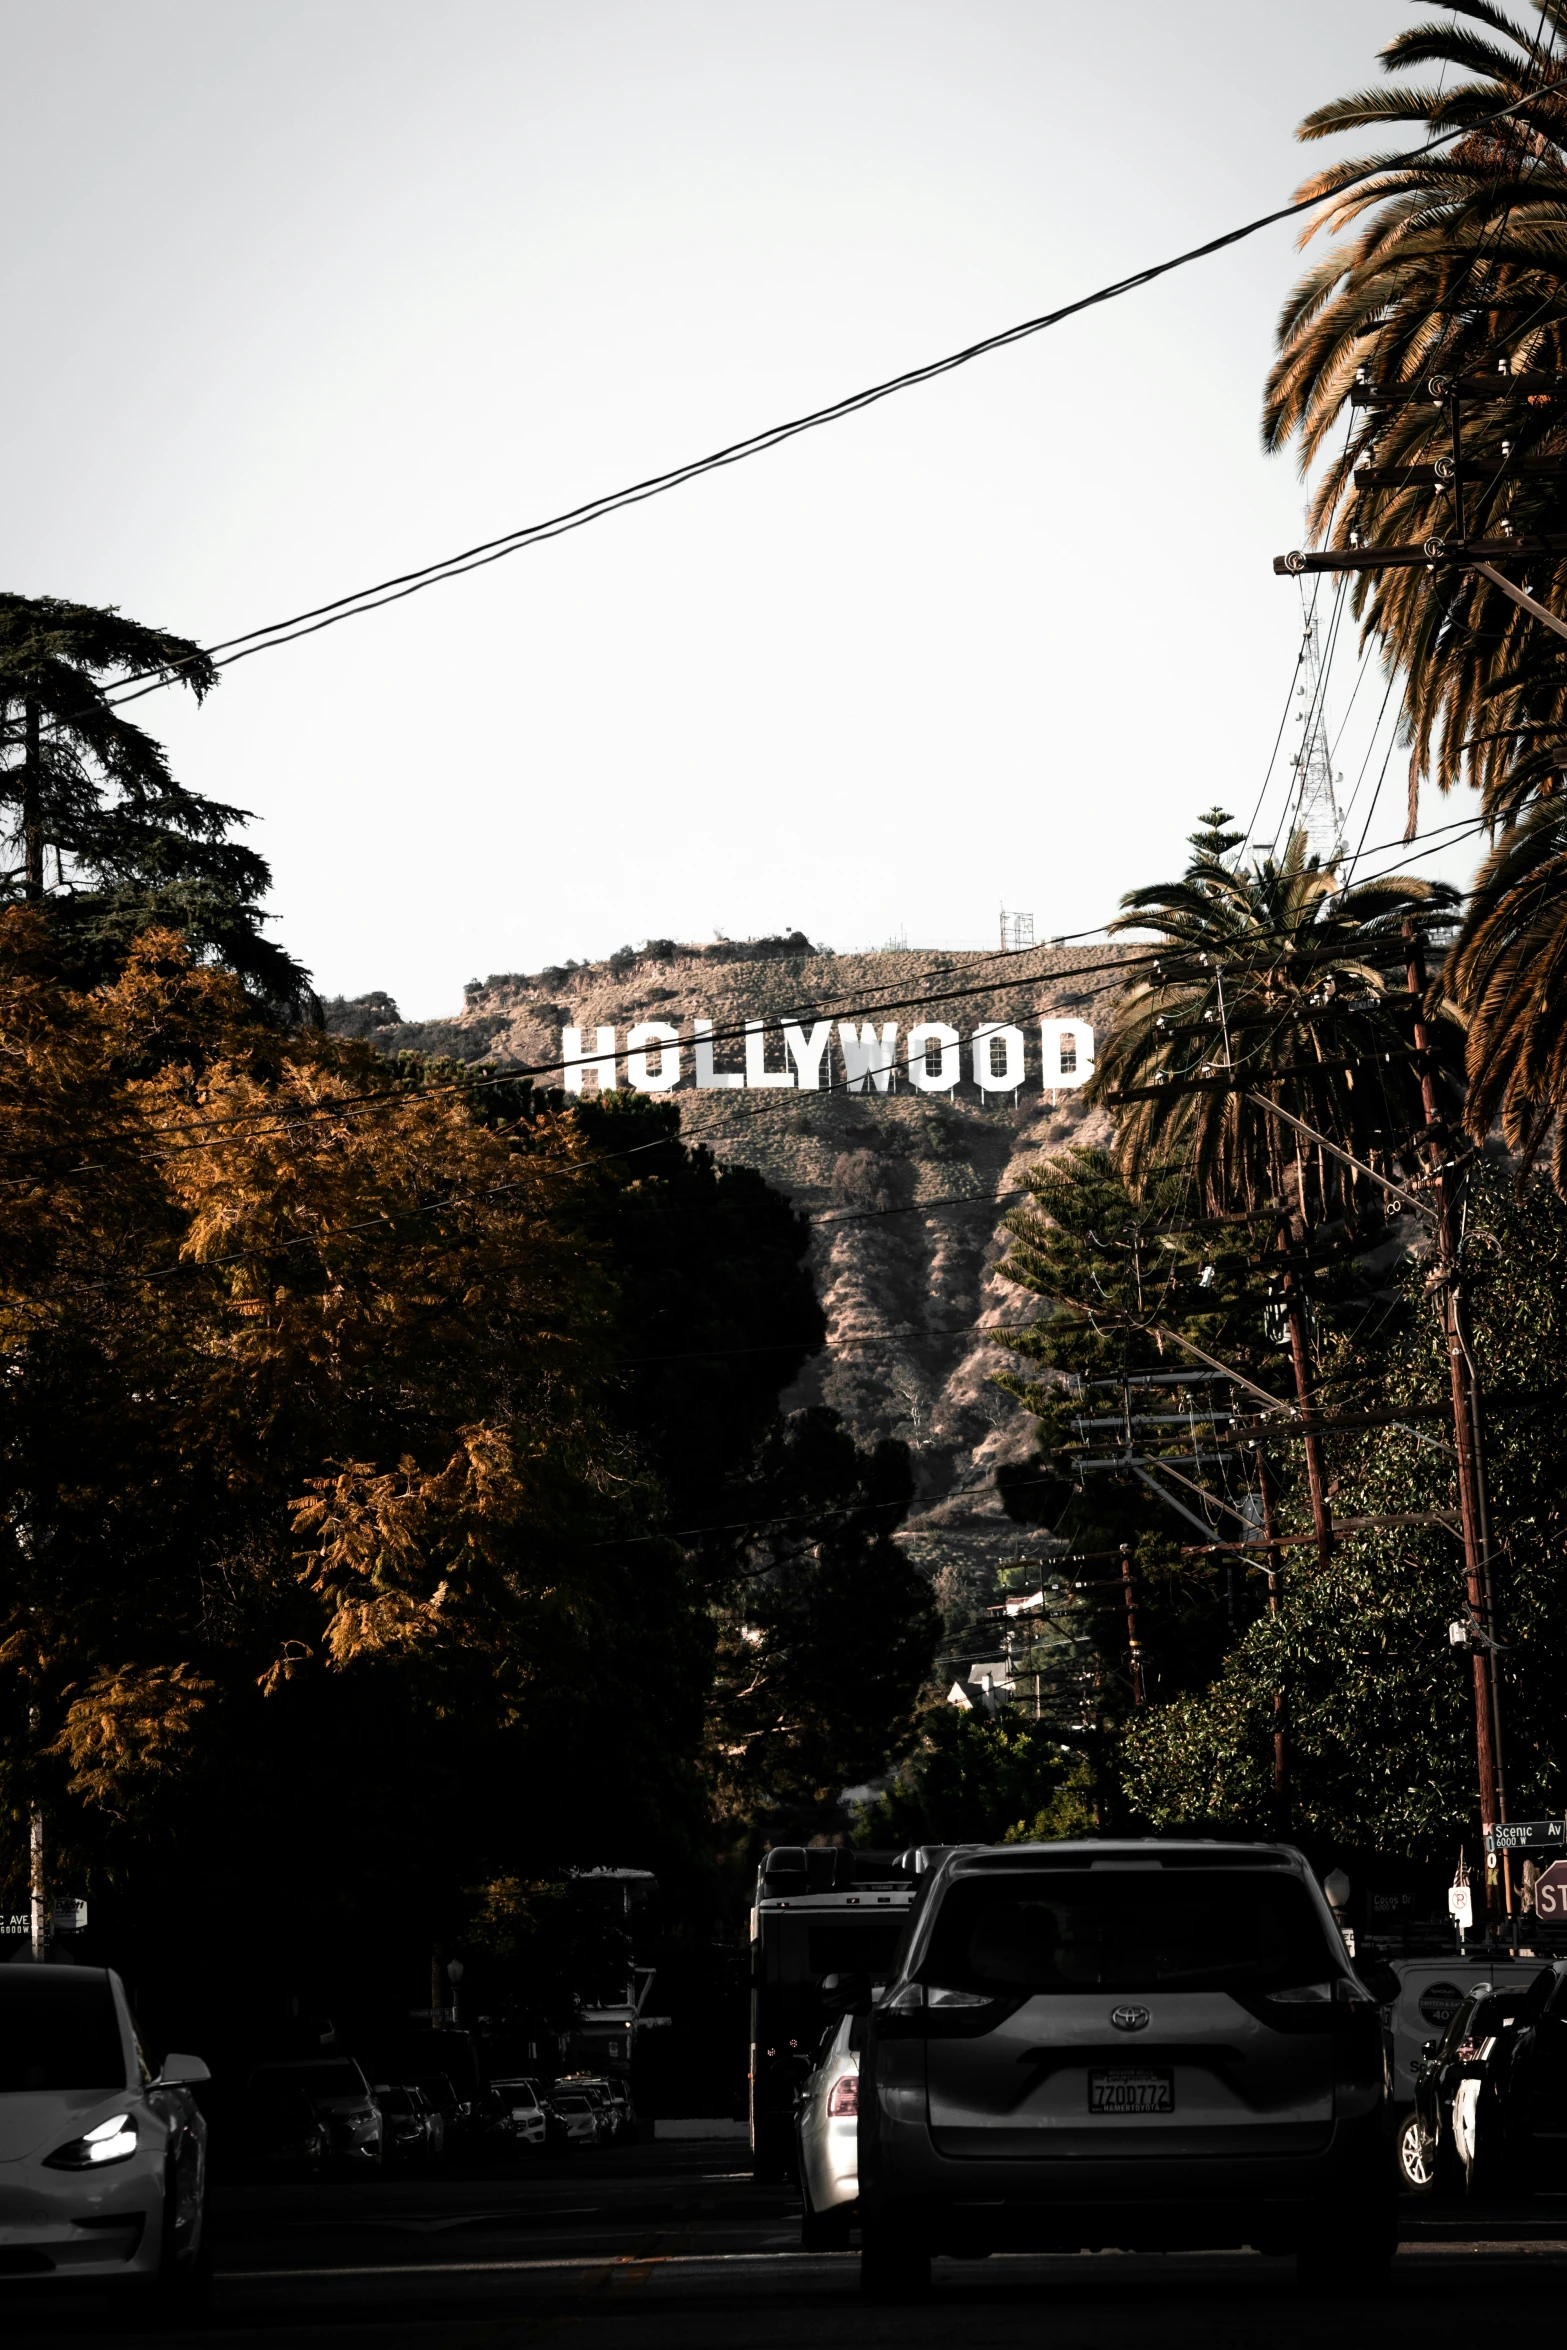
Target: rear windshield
x=1086, y=1930
x=803, y=1949
x=1482, y=2017
x=316, y=2080
x=58, y=2030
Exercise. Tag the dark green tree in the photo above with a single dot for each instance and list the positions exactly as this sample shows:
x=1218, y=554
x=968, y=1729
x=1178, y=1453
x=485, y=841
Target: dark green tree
x=1381, y=1714
x=98, y=828
x=1292, y=980
x=972, y=1778
x=826, y=1631
x=1121, y=1276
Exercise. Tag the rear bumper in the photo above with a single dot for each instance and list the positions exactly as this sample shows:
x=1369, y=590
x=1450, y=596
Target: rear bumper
x=1196, y=2203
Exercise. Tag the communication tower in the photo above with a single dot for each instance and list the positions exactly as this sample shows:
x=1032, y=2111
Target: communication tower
x=1315, y=809
x=1017, y=930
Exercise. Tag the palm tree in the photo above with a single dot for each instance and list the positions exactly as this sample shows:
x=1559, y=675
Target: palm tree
x=1454, y=263
x=1510, y=974
x=99, y=829
x=1294, y=984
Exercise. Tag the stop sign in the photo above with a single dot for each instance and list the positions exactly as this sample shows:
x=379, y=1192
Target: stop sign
x=1550, y=1891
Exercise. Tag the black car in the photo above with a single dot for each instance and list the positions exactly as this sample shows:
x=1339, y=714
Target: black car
x=1519, y=2139
x=415, y=2132
x=1457, y=2085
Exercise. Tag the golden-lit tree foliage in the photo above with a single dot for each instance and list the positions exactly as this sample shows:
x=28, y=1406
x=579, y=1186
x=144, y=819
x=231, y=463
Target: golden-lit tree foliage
x=304, y=1365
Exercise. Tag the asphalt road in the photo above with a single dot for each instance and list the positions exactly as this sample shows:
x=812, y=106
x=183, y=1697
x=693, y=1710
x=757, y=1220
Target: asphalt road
x=672, y=2247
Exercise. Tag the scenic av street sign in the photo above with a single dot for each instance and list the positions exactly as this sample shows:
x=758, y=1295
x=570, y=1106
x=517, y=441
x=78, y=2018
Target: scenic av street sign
x=1543, y=1836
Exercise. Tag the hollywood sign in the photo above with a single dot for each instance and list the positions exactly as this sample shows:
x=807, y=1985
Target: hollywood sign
x=870, y=1054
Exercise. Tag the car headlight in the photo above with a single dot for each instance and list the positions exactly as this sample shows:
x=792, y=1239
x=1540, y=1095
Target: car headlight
x=112, y=2141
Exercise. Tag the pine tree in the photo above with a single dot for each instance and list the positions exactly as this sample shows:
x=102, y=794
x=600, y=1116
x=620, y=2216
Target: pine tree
x=99, y=829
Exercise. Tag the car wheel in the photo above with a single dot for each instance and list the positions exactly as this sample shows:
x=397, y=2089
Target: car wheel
x=1415, y=2155
x=894, y=2258
x=181, y=2291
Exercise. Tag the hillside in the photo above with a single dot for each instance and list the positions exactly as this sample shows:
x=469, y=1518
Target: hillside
x=906, y=1189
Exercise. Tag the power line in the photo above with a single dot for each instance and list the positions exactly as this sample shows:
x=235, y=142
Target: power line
x=1124, y=963
x=402, y=584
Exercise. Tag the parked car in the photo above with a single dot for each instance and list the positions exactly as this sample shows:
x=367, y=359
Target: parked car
x=618, y=2092
x=1520, y=2131
x=282, y=2129
x=827, y=2139
x=442, y=2098
x=1488, y=2096
x=576, y=2119
x=606, y=2106
x=524, y=2109
x=413, y=2130
x=1436, y=2146
x=1147, y=2044
x=105, y=2168
x=342, y=2099
x=1429, y=1993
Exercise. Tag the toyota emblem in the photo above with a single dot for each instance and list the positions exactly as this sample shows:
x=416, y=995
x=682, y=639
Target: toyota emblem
x=1129, y=2019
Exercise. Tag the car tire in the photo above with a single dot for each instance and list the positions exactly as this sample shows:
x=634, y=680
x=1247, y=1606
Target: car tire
x=1415, y=2156
x=894, y=2258
x=180, y=2292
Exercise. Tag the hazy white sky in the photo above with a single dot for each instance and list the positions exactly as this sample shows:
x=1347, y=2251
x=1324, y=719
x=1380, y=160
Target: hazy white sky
x=303, y=294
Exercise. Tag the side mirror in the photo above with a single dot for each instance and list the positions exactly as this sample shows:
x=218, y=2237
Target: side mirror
x=183, y=2072
x=846, y=1994
x=1379, y=1979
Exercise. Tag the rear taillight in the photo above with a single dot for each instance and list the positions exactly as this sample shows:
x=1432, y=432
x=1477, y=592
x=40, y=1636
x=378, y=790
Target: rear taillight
x=844, y=2095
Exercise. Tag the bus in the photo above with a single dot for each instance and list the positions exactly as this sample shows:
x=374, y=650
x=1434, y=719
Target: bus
x=819, y=1910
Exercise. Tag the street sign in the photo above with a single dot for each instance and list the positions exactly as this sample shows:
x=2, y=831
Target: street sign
x=1544, y=1836
x=1460, y=1906
x=1550, y=1891
x=67, y=1917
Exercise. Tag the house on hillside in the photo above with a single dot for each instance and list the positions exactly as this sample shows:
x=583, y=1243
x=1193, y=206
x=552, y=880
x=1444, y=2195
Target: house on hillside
x=984, y=1688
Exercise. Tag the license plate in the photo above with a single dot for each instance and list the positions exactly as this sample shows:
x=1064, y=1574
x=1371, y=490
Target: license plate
x=1131, y=2089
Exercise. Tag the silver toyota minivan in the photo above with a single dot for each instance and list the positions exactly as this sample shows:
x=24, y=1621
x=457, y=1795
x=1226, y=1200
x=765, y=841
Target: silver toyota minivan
x=1148, y=2045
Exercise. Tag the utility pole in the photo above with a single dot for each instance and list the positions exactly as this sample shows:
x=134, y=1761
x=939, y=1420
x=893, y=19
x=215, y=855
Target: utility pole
x=1300, y=1357
x=1447, y=1283
x=38, y=1920
x=1463, y=549
x=1280, y=1757
x=1134, y=1650
x=38, y=1915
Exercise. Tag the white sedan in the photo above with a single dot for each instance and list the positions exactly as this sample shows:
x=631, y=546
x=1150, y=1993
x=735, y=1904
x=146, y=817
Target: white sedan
x=828, y=2123
x=103, y=2168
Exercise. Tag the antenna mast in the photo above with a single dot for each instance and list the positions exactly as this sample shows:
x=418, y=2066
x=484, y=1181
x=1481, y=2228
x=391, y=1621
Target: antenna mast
x=1316, y=810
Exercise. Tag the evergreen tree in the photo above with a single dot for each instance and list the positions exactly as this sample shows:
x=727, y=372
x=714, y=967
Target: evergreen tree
x=98, y=828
